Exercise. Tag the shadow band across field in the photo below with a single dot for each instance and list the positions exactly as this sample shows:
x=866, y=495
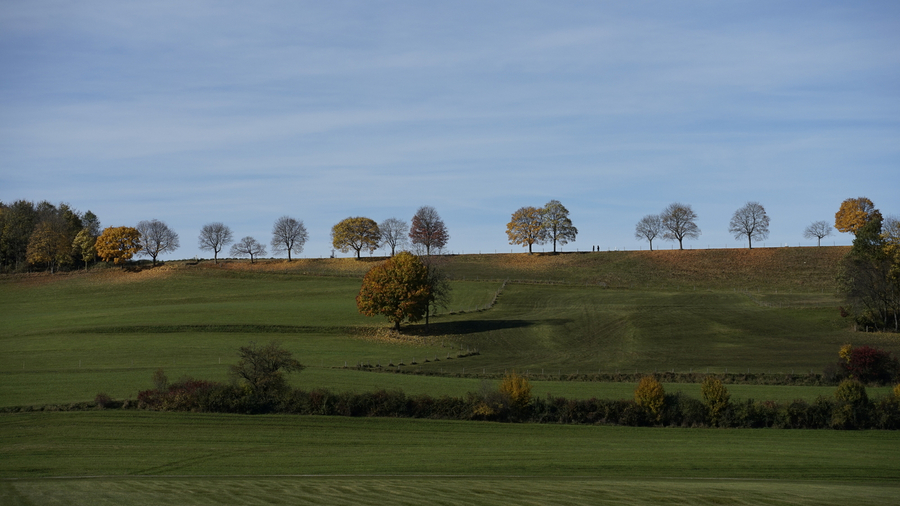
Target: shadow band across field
x=458, y=327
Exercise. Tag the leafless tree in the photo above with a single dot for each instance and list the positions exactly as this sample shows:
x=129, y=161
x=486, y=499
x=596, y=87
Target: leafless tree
x=214, y=237
x=678, y=221
x=428, y=230
x=394, y=233
x=751, y=222
x=248, y=246
x=555, y=218
x=288, y=235
x=156, y=238
x=440, y=285
x=817, y=229
x=648, y=228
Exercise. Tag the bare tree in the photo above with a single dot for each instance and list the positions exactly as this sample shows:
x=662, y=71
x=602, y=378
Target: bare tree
x=428, y=230
x=557, y=223
x=156, y=238
x=248, y=246
x=678, y=221
x=751, y=222
x=817, y=229
x=288, y=235
x=440, y=285
x=214, y=237
x=648, y=228
x=393, y=233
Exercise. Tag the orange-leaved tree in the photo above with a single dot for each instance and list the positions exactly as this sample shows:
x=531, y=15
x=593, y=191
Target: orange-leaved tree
x=356, y=233
x=527, y=227
x=118, y=244
x=854, y=214
x=399, y=289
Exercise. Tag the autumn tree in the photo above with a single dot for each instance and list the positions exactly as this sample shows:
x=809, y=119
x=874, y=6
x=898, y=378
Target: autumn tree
x=557, y=224
x=678, y=222
x=870, y=277
x=648, y=228
x=214, y=237
x=248, y=246
x=156, y=238
x=854, y=214
x=288, y=235
x=118, y=244
x=397, y=289
x=650, y=395
x=50, y=244
x=356, y=234
x=750, y=221
x=84, y=246
x=394, y=233
x=428, y=230
x=526, y=227
x=817, y=229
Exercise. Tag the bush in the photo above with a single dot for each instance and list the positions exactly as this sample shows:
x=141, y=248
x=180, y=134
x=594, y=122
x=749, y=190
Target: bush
x=102, y=400
x=852, y=392
x=869, y=365
x=517, y=388
x=650, y=396
x=851, y=411
x=715, y=397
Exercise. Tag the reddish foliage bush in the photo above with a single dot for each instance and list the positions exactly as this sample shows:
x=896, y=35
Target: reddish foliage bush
x=871, y=365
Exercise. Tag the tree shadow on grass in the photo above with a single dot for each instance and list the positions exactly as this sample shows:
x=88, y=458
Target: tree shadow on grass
x=471, y=326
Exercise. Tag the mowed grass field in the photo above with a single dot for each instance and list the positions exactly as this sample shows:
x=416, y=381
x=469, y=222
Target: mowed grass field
x=151, y=458
x=65, y=338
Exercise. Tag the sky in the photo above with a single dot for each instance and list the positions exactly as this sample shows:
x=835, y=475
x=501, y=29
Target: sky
x=242, y=112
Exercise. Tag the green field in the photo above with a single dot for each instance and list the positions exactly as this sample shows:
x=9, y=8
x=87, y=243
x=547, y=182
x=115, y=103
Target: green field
x=66, y=337
x=145, y=457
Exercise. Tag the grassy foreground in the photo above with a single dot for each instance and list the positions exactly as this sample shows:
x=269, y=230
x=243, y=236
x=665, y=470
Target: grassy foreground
x=137, y=458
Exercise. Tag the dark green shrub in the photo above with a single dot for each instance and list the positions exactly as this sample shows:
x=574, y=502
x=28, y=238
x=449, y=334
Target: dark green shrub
x=684, y=411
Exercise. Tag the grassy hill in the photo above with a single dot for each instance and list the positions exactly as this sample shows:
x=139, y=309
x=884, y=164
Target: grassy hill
x=65, y=337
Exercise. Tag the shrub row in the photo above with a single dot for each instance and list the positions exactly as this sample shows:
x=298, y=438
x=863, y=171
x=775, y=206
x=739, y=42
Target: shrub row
x=833, y=375
x=849, y=409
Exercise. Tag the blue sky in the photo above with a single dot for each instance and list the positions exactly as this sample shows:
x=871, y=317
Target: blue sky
x=241, y=112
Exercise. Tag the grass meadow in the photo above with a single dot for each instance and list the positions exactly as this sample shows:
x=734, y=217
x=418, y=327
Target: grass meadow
x=108, y=457
x=66, y=337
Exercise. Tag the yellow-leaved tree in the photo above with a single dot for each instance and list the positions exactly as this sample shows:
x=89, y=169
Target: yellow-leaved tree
x=399, y=289
x=715, y=397
x=84, y=245
x=650, y=395
x=854, y=214
x=118, y=244
x=517, y=389
x=526, y=227
x=50, y=244
x=356, y=233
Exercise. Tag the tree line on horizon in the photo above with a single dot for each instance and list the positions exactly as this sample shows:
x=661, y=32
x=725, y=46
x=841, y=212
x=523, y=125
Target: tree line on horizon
x=43, y=234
